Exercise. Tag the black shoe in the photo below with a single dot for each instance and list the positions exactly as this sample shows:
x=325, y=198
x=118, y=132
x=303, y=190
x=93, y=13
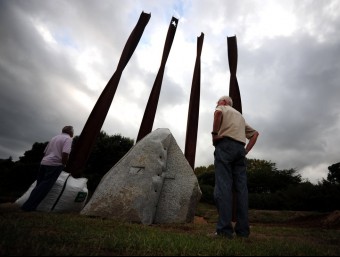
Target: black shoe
x=220, y=235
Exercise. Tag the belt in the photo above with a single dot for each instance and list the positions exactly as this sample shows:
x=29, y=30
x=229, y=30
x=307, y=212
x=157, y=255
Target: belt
x=232, y=139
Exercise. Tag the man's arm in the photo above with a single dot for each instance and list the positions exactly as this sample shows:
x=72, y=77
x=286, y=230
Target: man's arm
x=217, y=121
x=251, y=142
x=64, y=158
x=216, y=125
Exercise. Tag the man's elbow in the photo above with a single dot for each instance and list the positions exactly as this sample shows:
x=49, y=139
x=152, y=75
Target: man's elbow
x=255, y=136
x=65, y=158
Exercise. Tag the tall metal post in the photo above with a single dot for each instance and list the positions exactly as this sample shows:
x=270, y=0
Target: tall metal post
x=234, y=90
x=234, y=93
x=151, y=107
x=194, y=106
x=87, y=138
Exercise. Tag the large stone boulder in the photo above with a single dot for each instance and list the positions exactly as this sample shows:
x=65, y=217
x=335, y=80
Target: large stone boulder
x=152, y=183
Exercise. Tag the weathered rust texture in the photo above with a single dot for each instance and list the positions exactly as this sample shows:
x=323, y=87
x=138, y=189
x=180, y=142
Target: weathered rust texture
x=87, y=138
x=234, y=91
x=194, y=107
x=151, y=107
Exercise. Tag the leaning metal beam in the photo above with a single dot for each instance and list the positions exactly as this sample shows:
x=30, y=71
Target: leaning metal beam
x=151, y=107
x=234, y=91
x=88, y=136
x=194, y=107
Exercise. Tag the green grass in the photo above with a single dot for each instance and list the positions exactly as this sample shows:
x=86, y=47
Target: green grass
x=73, y=234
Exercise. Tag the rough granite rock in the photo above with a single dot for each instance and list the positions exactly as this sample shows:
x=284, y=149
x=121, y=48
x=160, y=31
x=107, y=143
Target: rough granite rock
x=152, y=183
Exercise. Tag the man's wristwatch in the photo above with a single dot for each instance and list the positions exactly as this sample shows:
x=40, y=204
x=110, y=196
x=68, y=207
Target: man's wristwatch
x=214, y=133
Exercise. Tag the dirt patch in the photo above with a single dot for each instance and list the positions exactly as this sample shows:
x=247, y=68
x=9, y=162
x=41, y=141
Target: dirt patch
x=332, y=220
x=200, y=220
x=321, y=220
x=288, y=218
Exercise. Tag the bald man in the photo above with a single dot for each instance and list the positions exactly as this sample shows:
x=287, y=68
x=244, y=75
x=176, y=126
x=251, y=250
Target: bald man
x=230, y=135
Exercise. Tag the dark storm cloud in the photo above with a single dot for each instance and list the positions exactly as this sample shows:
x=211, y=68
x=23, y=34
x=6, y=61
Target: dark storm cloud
x=56, y=57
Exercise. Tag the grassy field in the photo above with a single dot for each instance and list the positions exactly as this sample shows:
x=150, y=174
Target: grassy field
x=273, y=233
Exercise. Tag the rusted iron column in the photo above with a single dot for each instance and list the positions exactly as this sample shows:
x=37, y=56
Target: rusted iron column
x=234, y=90
x=194, y=108
x=234, y=93
x=87, y=138
x=151, y=107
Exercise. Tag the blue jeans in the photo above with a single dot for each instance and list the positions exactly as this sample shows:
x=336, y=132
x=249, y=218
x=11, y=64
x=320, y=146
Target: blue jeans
x=47, y=176
x=230, y=173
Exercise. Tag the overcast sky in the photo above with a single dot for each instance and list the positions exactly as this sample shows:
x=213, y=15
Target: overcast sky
x=56, y=58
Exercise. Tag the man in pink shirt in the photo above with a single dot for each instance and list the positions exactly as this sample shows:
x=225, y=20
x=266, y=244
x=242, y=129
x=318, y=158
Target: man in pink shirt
x=54, y=161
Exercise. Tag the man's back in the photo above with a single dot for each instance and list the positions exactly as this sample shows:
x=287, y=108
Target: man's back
x=233, y=123
x=53, y=153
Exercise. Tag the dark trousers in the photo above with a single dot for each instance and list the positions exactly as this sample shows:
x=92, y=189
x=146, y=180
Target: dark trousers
x=230, y=172
x=47, y=176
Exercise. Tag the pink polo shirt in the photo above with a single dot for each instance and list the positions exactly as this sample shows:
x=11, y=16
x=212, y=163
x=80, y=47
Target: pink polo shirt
x=56, y=147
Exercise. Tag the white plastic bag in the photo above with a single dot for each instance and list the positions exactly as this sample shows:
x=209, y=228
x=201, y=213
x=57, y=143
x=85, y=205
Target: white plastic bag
x=68, y=194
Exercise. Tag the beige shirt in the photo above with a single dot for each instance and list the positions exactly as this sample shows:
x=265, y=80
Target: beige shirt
x=233, y=124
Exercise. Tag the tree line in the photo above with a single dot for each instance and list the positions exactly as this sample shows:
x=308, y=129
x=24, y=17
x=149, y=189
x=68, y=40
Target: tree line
x=269, y=188
x=273, y=189
x=16, y=177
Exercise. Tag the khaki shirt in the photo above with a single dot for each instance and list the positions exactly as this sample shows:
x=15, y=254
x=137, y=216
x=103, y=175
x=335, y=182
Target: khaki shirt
x=233, y=124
